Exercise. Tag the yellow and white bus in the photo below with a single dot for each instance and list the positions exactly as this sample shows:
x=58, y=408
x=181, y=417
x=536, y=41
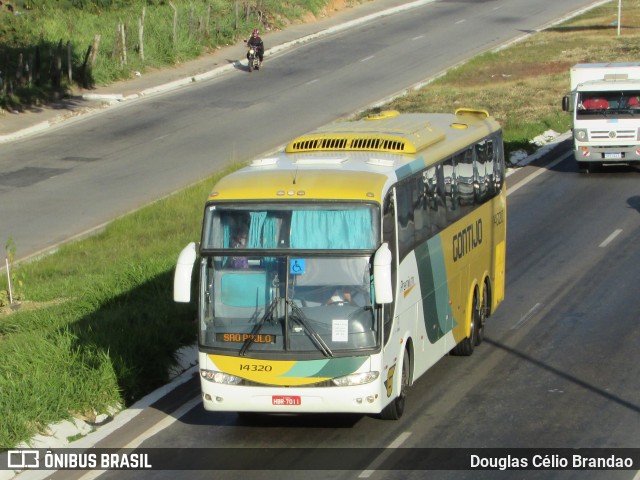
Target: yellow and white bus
x=334, y=274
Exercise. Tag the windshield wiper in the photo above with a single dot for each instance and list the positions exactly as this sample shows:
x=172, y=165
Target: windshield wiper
x=258, y=326
x=299, y=317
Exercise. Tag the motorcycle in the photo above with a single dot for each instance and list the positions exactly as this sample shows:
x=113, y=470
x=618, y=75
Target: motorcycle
x=253, y=58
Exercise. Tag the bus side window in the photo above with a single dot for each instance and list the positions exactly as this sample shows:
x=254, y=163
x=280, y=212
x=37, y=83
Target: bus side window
x=465, y=180
x=498, y=164
x=388, y=236
x=406, y=223
x=451, y=192
x=419, y=209
x=440, y=213
x=491, y=175
x=389, y=222
x=481, y=185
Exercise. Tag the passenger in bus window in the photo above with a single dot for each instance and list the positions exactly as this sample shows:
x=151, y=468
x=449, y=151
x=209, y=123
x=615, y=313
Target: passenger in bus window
x=239, y=240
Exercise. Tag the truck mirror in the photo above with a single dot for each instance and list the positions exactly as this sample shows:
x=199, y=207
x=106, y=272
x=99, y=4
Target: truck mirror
x=182, y=276
x=382, y=275
x=566, y=107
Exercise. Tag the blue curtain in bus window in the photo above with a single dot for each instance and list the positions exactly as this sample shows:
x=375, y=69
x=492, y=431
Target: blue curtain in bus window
x=226, y=235
x=332, y=229
x=263, y=231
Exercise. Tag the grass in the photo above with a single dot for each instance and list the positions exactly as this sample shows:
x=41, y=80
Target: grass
x=97, y=326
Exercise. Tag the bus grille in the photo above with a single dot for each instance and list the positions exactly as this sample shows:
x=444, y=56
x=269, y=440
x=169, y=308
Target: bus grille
x=325, y=383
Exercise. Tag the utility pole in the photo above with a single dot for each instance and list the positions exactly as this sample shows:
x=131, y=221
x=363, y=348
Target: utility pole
x=619, y=15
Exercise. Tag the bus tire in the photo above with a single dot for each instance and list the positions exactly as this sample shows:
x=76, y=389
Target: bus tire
x=483, y=313
x=395, y=409
x=466, y=346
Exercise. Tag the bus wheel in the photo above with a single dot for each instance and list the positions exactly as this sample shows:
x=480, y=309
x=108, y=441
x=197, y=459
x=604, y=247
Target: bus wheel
x=395, y=409
x=482, y=313
x=465, y=347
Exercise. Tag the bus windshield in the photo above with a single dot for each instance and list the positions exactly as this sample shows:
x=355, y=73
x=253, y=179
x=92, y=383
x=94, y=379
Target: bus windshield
x=300, y=226
x=286, y=304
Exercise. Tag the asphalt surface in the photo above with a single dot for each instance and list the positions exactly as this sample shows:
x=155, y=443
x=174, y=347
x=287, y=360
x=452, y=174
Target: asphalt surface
x=15, y=126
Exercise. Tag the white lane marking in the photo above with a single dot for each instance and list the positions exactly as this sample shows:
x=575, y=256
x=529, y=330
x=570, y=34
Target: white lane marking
x=528, y=316
x=367, y=58
x=611, y=237
x=378, y=461
x=165, y=422
x=158, y=427
x=418, y=37
x=311, y=81
x=537, y=173
x=461, y=21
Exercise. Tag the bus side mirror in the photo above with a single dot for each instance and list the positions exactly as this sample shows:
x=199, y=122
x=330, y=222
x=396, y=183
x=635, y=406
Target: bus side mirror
x=182, y=276
x=382, y=275
x=566, y=107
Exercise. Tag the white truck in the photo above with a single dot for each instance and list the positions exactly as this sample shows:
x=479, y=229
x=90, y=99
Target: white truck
x=605, y=104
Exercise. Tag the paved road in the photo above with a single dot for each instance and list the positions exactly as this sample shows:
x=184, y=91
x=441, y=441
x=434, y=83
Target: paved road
x=66, y=181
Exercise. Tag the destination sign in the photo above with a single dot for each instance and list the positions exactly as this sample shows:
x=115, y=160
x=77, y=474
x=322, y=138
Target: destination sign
x=243, y=337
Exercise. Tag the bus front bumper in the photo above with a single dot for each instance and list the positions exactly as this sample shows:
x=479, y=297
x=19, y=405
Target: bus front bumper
x=364, y=399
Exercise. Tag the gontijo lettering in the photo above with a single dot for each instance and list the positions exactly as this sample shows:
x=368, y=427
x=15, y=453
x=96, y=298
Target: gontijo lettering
x=467, y=239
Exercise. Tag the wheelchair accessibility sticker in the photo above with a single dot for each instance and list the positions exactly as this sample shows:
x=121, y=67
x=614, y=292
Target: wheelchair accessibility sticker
x=297, y=266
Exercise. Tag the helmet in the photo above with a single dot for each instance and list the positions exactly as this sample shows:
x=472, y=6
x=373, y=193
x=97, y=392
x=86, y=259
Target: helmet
x=255, y=32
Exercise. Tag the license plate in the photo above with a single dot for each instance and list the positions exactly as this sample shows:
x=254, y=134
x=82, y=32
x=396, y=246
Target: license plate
x=286, y=400
x=613, y=155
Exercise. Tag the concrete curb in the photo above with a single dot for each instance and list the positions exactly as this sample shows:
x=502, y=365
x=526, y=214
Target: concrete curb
x=25, y=132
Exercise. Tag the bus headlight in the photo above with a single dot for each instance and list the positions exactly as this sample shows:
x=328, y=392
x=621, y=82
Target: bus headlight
x=581, y=135
x=355, y=379
x=219, y=377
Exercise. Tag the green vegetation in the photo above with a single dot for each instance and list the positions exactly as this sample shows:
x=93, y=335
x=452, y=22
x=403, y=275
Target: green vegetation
x=50, y=47
x=97, y=326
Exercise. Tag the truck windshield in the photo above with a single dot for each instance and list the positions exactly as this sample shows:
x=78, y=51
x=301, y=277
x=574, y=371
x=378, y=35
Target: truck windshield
x=601, y=104
x=285, y=304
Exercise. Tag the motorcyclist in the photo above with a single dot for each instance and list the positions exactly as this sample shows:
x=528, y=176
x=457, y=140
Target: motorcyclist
x=255, y=41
